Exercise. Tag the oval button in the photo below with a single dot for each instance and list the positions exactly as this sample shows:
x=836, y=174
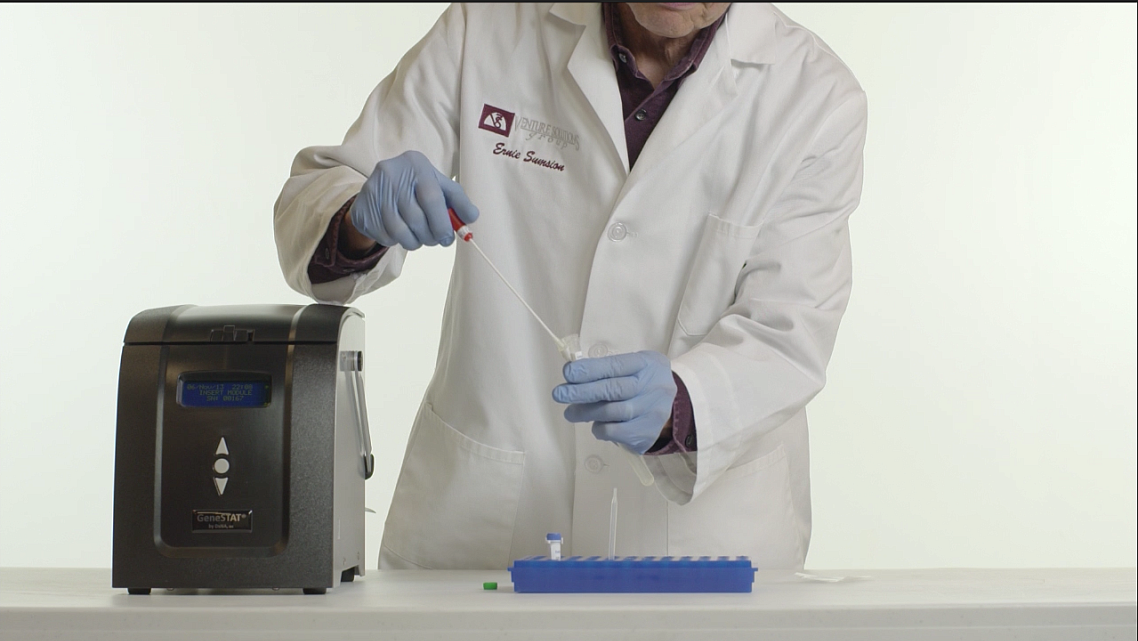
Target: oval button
x=598, y=350
x=618, y=232
x=221, y=466
x=594, y=464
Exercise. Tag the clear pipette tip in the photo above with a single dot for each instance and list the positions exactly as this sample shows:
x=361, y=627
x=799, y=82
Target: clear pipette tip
x=612, y=525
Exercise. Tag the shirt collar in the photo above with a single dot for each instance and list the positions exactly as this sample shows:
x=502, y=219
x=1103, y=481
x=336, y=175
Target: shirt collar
x=753, y=30
x=690, y=61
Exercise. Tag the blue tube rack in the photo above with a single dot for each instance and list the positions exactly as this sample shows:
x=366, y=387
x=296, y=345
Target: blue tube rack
x=633, y=574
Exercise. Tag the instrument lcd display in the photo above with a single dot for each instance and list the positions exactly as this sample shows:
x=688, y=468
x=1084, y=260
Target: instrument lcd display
x=205, y=393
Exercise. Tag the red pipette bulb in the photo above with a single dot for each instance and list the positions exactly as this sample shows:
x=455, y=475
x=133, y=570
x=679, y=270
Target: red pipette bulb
x=459, y=227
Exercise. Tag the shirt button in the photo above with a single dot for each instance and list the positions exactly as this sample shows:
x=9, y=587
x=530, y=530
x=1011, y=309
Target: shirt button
x=617, y=232
x=641, y=115
x=594, y=464
x=623, y=58
x=598, y=350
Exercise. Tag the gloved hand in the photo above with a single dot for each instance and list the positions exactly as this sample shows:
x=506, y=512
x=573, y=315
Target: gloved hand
x=627, y=396
x=404, y=202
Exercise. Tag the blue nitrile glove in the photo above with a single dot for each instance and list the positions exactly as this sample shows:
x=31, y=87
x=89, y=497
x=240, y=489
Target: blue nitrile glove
x=628, y=397
x=404, y=202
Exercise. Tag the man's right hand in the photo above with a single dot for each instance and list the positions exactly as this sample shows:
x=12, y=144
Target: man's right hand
x=404, y=202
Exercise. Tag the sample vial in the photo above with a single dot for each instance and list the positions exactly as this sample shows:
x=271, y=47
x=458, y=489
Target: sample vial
x=571, y=348
x=554, y=541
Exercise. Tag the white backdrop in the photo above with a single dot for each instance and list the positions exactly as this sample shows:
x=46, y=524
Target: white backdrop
x=980, y=409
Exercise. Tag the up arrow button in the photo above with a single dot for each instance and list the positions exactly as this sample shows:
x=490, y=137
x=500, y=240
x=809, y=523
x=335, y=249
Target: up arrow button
x=219, y=483
x=222, y=450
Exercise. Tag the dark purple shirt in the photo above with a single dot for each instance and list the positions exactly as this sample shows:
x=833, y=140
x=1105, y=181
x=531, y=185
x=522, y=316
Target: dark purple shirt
x=643, y=107
x=644, y=104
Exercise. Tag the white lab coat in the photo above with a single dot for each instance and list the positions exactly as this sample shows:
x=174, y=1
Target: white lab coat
x=726, y=247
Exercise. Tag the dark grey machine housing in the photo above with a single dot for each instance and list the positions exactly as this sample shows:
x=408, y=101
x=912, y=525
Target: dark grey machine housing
x=242, y=448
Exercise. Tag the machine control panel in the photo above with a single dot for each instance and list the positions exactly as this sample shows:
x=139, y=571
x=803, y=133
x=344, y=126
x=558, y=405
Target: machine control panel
x=224, y=443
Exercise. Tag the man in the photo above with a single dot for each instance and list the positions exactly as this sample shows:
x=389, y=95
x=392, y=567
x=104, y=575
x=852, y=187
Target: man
x=670, y=182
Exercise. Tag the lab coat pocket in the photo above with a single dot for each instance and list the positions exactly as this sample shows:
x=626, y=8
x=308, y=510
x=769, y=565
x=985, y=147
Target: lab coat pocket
x=746, y=512
x=456, y=500
x=710, y=290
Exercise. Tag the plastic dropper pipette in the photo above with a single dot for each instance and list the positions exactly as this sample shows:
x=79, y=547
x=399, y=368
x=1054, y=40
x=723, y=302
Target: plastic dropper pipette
x=466, y=235
x=570, y=349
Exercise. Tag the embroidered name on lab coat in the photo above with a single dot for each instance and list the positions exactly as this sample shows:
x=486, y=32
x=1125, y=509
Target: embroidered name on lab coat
x=500, y=149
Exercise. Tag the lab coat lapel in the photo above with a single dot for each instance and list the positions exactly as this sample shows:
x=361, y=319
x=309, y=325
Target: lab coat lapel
x=592, y=70
x=701, y=97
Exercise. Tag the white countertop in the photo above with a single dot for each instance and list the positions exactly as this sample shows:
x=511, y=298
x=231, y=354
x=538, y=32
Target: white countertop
x=888, y=604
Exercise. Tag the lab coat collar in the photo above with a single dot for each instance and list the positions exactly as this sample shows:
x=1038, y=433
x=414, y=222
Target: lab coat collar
x=576, y=12
x=749, y=27
x=748, y=32
x=591, y=67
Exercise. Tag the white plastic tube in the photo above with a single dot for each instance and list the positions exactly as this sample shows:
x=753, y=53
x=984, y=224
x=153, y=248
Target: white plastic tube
x=638, y=466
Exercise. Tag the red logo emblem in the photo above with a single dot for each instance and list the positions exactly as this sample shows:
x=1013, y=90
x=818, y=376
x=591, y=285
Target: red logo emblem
x=497, y=120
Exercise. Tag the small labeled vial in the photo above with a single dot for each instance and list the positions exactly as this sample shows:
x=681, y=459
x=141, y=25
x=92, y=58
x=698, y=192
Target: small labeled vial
x=554, y=541
x=571, y=348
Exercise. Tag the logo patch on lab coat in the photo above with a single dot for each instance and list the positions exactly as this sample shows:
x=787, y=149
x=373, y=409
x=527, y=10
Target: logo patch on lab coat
x=496, y=120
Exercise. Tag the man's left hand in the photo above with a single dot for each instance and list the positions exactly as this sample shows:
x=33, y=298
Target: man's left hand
x=628, y=397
